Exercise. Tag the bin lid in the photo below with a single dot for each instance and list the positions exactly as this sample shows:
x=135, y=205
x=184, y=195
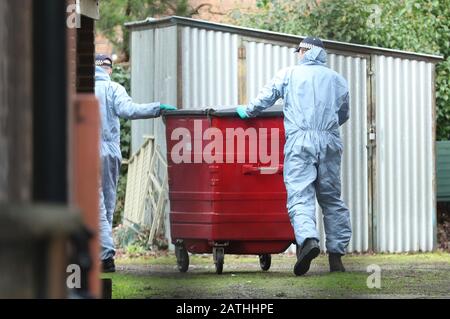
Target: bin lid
x=275, y=111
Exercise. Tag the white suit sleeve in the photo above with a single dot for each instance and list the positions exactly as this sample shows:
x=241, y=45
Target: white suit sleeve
x=269, y=94
x=125, y=108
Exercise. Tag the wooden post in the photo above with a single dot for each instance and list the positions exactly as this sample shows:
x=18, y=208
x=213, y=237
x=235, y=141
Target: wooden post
x=16, y=100
x=242, y=74
x=86, y=174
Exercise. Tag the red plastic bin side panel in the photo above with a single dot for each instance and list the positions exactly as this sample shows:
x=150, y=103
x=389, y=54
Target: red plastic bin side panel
x=230, y=200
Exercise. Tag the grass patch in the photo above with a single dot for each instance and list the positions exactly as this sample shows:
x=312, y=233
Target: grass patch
x=416, y=275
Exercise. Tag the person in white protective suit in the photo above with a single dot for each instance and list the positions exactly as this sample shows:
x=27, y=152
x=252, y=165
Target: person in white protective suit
x=316, y=104
x=114, y=103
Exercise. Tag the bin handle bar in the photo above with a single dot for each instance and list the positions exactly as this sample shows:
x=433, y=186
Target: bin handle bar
x=249, y=169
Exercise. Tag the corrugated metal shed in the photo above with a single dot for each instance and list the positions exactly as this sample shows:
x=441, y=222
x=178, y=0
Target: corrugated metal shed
x=388, y=165
x=443, y=171
x=405, y=193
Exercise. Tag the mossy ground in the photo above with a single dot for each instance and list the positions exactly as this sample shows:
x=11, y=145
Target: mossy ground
x=402, y=275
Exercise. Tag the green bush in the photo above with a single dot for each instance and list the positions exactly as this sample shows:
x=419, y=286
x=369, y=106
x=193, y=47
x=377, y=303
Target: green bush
x=412, y=25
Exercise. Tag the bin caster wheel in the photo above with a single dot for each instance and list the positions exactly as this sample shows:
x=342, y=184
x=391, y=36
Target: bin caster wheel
x=265, y=261
x=182, y=258
x=219, y=256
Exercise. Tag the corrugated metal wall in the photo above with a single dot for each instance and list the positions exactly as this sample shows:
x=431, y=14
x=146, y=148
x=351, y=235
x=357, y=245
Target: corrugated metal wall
x=153, y=77
x=142, y=70
x=264, y=60
x=354, y=161
x=405, y=199
x=209, y=68
x=404, y=212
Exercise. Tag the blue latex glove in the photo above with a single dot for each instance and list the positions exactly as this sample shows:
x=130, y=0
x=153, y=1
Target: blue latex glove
x=242, y=111
x=166, y=107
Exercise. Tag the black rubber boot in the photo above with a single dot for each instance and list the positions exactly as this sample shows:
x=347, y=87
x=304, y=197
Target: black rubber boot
x=108, y=265
x=335, y=262
x=305, y=255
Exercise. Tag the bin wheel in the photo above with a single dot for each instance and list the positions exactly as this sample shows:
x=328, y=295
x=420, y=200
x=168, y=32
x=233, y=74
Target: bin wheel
x=265, y=261
x=219, y=256
x=182, y=258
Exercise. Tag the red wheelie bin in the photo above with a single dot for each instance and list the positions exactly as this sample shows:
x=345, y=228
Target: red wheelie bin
x=225, y=195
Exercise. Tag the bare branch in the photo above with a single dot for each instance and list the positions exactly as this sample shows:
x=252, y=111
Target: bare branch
x=196, y=9
x=171, y=7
